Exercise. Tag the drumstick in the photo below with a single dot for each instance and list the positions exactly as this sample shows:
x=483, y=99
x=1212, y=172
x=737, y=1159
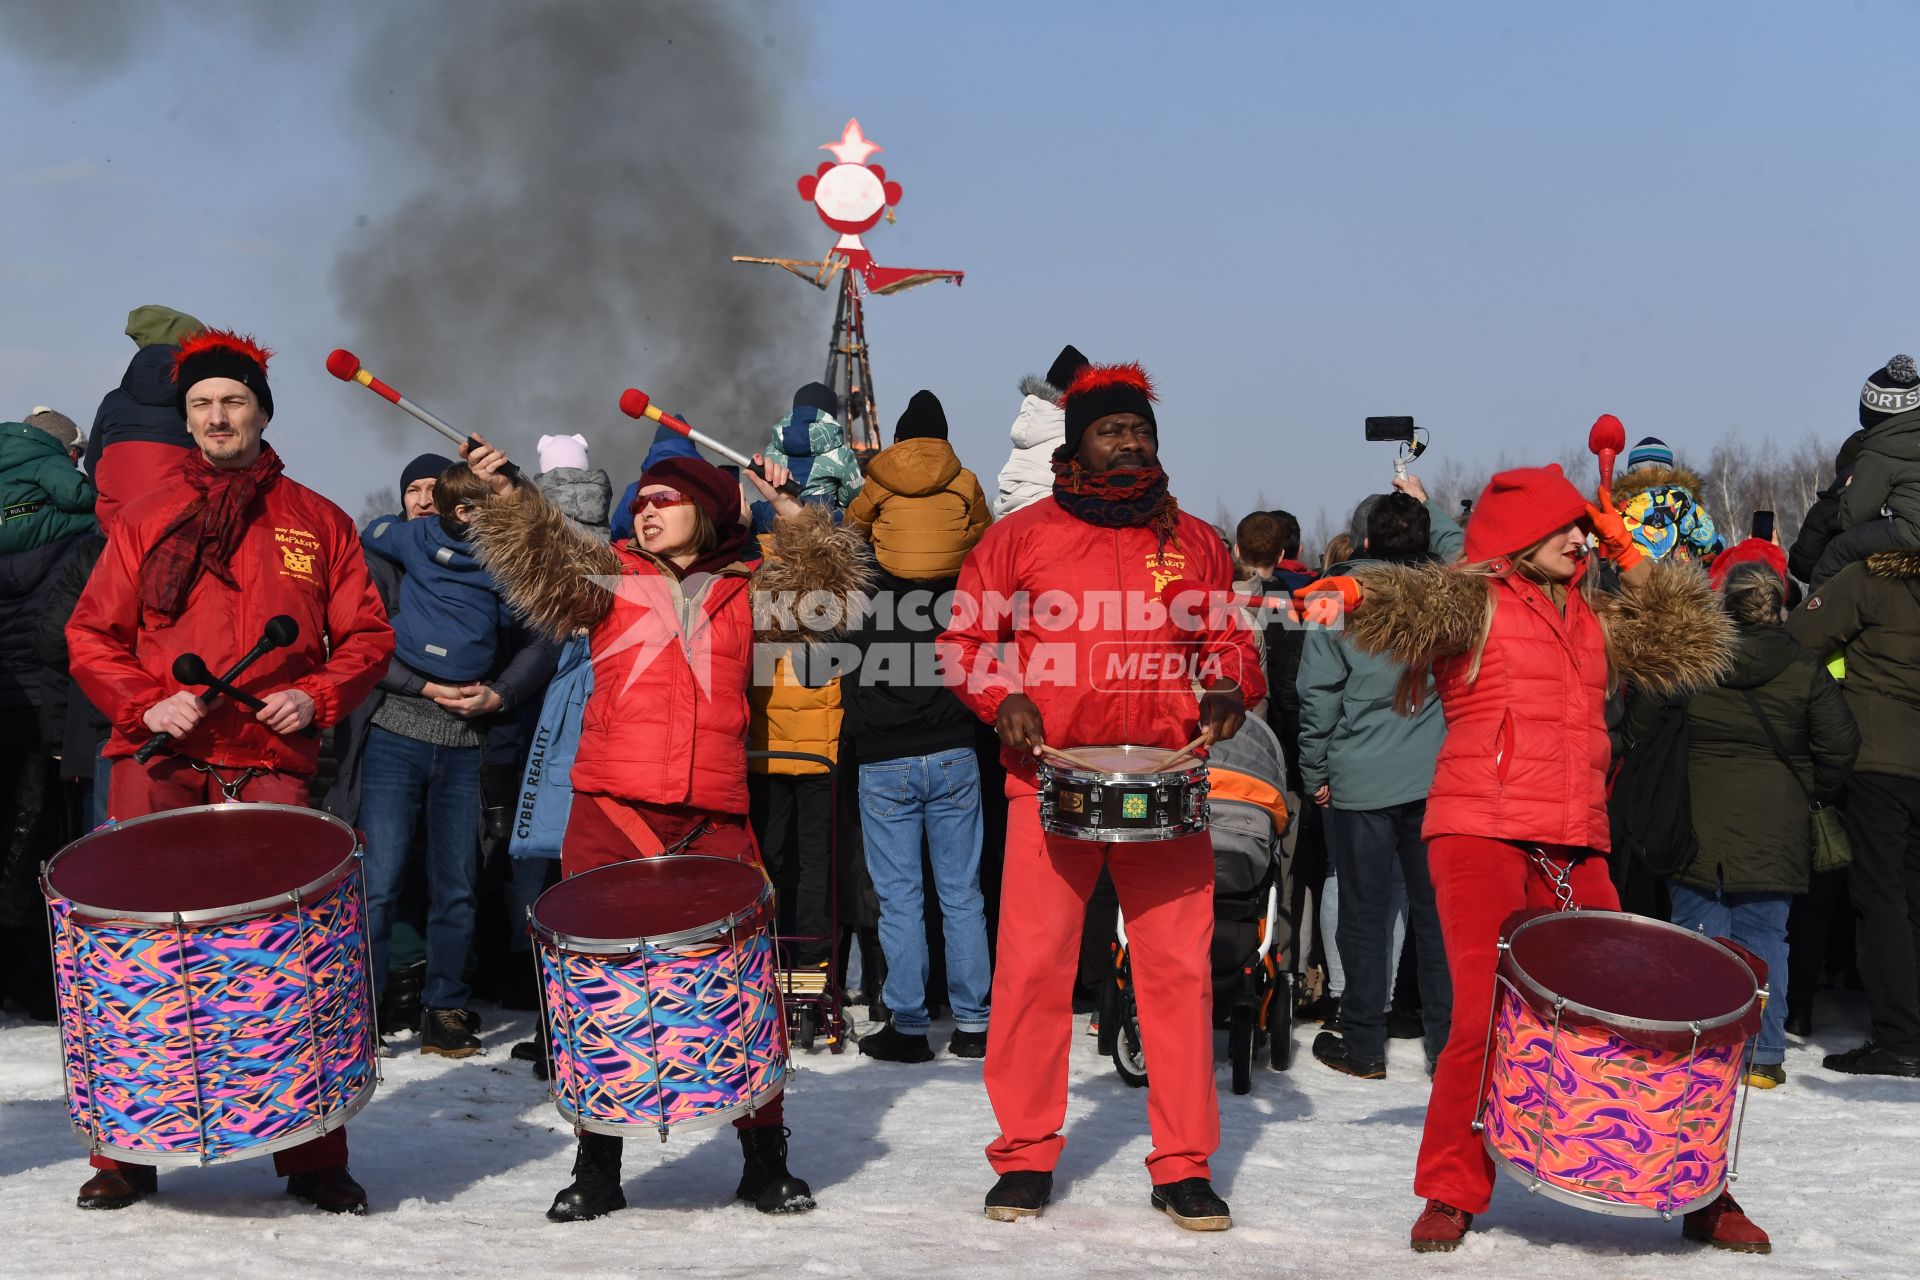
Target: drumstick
x=1184, y=753
x=1077, y=761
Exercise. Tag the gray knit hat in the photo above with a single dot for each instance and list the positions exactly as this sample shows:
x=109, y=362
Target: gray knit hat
x=56, y=424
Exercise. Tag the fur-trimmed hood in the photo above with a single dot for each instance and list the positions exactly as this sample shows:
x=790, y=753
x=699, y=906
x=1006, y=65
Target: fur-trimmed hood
x=1903, y=563
x=1642, y=479
x=808, y=555
x=1035, y=385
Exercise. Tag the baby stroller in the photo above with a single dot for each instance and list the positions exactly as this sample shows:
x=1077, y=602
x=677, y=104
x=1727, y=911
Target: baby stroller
x=813, y=997
x=1255, y=960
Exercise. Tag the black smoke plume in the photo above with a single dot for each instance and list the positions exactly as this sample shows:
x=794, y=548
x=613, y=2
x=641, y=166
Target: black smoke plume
x=551, y=195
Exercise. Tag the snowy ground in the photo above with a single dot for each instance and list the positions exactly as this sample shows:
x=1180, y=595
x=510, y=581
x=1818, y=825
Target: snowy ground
x=461, y=1159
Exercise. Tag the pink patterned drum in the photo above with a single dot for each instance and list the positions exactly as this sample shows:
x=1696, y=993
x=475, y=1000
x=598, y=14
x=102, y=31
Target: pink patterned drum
x=1615, y=1058
x=660, y=1002
x=211, y=970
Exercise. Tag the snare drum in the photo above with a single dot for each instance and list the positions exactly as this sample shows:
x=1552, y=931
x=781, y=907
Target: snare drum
x=211, y=971
x=1125, y=799
x=1616, y=1053
x=658, y=981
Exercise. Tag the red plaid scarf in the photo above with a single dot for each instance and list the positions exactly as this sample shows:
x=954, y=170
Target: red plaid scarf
x=206, y=533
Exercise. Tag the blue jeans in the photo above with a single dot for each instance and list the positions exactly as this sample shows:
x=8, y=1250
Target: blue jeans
x=398, y=776
x=937, y=796
x=1374, y=848
x=1758, y=922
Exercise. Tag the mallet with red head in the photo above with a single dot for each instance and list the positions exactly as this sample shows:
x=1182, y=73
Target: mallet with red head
x=637, y=404
x=346, y=366
x=1607, y=440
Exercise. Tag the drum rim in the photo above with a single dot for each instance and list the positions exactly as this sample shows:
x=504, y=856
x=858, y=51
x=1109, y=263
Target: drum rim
x=305, y=1133
x=1129, y=835
x=1537, y=1185
x=575, y=944
x=1625, y=1022
x=339, y=874
x=727, y=1115
x=1047, y=771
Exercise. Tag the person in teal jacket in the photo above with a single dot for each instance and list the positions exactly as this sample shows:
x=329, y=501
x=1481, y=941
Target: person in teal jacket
x=43, y=496
x=1369, y=767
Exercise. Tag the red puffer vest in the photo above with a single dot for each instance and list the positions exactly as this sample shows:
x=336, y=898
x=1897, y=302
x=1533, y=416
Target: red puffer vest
x=1526, y=753
x=666, y=722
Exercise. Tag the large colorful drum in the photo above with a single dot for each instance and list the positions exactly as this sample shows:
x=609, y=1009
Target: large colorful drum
x=1121, y=795
x=660, y=1001
x=211, y=969
x=1615, y=1058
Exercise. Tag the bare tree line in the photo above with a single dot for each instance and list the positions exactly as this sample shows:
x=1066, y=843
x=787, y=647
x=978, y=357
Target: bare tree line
x=1738, y=476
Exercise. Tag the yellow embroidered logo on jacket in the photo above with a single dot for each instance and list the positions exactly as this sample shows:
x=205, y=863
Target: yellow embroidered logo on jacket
x=1167, y=568
x=298, y=550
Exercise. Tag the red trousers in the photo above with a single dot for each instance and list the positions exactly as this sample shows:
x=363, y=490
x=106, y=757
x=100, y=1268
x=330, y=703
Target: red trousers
x=602, y=830
x=135, y=790
x=1477, y=884
x=1166, y=898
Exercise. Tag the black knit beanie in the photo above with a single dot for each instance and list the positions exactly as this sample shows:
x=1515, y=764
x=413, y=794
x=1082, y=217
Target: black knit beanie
x=1065, y=365
x=923, y=420
x=427, y=466
x=220, y=353
x=817, y=395
x=1100, y=390
x=1892, y=389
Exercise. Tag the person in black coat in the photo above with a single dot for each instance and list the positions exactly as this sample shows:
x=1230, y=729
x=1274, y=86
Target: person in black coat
x=1750, y=808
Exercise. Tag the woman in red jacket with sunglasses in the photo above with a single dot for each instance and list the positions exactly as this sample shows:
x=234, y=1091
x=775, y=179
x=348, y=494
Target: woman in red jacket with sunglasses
x=662, y=756
x=1524, y=652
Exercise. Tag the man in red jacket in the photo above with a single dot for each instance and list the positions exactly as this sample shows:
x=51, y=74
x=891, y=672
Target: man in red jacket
x=1123, y=603
x=199, y=566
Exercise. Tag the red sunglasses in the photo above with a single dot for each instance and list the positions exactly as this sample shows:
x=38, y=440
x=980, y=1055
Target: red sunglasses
x=659, y=499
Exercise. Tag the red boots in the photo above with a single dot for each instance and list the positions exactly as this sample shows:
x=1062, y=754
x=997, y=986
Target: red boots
x=1440, y=1228
x=1723, y=1225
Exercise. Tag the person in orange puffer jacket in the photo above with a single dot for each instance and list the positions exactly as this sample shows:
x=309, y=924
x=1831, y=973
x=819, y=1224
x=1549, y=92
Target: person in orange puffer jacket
x=1523, y=651
x=920, y=508
x=662, y=753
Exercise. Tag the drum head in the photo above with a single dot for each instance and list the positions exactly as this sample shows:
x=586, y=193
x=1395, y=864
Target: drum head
x=650, y=898
x=1120, y=759
x=207, y=859
x=1631, y=969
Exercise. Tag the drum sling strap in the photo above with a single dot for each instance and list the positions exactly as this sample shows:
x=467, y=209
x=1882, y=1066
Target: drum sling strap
x=1560, y=873
x=230, y=788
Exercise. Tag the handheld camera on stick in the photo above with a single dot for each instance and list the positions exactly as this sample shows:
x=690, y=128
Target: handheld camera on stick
x=1412, y=440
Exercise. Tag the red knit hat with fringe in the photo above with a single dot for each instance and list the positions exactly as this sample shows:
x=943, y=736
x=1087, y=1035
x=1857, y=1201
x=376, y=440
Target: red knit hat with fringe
x=222, y=353
x=1099, y=390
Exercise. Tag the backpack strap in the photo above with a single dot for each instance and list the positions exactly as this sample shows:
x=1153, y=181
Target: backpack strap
x=1773, y=740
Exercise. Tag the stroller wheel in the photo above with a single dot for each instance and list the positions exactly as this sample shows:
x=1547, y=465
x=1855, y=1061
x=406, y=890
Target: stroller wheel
x=1129, y=1059
x=1240, y=1043
x=807, y=1028
x=1280, y=1021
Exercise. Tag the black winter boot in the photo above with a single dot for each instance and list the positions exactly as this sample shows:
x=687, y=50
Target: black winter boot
x=763, y=1175
x=595, y=1191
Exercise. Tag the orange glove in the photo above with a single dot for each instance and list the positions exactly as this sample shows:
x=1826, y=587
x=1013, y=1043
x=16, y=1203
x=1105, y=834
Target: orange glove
x=1317, y=601
x=1616, y=544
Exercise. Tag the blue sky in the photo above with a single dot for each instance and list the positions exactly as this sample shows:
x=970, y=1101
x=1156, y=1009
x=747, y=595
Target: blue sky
x=1500, y=218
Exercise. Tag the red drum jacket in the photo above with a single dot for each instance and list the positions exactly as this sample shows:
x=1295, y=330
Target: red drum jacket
x=300, y=557
x=1106, y=630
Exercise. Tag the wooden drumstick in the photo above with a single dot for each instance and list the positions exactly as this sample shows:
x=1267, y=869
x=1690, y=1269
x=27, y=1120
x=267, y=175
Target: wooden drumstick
x=1077, y=761
x=1184, y=753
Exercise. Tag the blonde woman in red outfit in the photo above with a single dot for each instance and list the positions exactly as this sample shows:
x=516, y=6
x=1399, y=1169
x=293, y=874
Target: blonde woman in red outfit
x=1524, y=653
